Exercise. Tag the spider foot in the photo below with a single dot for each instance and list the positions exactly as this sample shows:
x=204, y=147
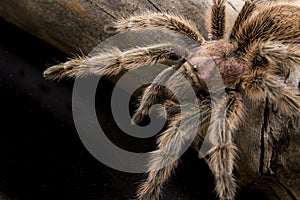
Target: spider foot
x=68, y=69
x=139, y=116
x=57, y=72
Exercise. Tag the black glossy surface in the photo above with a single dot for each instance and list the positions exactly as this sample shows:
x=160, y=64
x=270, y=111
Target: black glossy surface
x=41, y=154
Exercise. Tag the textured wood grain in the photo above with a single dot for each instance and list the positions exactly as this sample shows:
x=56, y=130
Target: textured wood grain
x=79, y=25
x=269, y=156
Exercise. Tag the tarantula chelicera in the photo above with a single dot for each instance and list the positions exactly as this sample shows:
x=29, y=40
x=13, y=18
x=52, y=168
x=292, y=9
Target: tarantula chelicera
x=254, y=61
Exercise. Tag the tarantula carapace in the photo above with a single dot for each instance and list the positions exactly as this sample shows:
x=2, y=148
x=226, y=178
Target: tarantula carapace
x=254, y=61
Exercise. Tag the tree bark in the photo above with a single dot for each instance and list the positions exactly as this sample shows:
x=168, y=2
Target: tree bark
x=269, y=155
x=79, y=25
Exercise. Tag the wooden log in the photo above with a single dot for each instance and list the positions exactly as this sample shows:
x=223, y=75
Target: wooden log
x=269, y=156
x=79, y=25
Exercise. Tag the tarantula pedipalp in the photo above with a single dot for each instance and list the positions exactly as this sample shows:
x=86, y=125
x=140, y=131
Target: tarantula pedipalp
x=254, y=62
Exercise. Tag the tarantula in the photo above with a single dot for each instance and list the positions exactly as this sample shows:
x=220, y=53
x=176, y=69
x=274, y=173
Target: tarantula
x=254, y=62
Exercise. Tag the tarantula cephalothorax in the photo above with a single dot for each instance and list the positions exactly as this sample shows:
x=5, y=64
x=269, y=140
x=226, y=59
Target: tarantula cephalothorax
x=254, y=62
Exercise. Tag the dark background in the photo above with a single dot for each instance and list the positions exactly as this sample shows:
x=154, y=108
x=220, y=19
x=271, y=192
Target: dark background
x=41, y=154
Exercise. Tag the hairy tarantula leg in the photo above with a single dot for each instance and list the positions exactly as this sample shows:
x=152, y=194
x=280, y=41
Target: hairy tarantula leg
x=153, y=94
x=67, y=69
x=114, y=61
x=276, y=58
x=281, y=54
x=218, y=19
x=246, y=11
x=287, y=54
x=227, y=114
x=277, y=22
x=162, y=20
x=260, y=86
x=151, y=188
x=182, y=131
x=163, y=89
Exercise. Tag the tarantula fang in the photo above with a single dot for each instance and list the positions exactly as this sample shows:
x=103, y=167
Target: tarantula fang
x=254, y=61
